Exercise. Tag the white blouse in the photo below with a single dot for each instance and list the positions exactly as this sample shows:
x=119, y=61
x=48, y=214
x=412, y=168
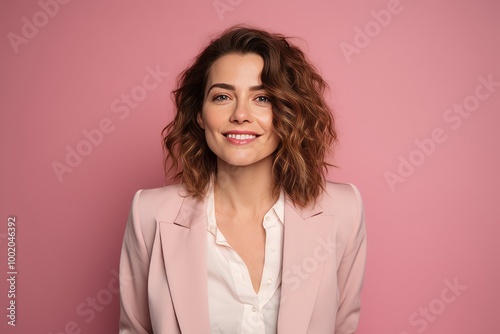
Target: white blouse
x=234, y=305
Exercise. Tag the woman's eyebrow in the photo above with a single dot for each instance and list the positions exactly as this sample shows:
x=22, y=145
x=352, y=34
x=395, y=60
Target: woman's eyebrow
x=232, y=88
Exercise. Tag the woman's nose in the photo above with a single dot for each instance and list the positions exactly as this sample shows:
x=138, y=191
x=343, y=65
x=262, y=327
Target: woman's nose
x=241, y=113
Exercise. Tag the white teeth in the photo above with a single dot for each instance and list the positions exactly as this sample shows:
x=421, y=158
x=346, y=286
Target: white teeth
x=241, y=137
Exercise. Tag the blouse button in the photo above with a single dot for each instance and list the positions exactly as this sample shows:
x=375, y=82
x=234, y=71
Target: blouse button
x=254, y=309
x=268, y=218
x=269, y=281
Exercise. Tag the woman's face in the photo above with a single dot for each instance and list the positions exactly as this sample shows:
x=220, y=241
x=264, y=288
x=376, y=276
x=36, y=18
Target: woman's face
x=237, y=114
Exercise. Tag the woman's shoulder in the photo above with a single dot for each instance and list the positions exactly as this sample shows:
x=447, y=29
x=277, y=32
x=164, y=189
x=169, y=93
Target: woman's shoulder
x=341, y=197
x=344, y=190
x=158, y=194
x=343, y=201
x=151, y=206
x=158, y=202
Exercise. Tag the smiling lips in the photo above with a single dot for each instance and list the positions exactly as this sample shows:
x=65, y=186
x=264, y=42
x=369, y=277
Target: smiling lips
x=240, y=138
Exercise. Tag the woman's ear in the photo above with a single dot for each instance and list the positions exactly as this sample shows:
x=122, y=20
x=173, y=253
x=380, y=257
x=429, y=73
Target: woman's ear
x=199, y=119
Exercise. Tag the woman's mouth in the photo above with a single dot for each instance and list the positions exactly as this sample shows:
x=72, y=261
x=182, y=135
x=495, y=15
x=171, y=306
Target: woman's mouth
x=240, y=138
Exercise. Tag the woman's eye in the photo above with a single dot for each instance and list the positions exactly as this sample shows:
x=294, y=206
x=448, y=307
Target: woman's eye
x=263, y=99
x=220, y=97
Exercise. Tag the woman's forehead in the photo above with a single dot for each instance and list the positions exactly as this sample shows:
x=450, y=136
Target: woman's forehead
x=236, y=69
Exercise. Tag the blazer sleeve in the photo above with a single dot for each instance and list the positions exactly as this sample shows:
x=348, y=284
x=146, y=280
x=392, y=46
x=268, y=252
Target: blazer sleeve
x=134, y=266
x=350, y=273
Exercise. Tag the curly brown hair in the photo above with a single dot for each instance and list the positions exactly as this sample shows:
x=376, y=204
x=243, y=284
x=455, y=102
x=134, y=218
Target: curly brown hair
x=302, y=119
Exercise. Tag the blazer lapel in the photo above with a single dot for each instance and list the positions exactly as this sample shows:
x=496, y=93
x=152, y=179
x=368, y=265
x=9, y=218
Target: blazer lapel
x=183, y=244
x=305, y=235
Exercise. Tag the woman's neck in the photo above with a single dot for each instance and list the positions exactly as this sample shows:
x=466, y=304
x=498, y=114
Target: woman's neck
x=245, y=190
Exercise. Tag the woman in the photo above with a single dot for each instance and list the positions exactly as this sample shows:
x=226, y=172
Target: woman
x=252, y=239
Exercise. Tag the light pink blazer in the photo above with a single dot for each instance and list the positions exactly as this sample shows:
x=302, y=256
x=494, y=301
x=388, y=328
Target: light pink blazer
x=163, y=265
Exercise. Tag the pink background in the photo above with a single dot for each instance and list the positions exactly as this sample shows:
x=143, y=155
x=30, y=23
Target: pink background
x=435, y=224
